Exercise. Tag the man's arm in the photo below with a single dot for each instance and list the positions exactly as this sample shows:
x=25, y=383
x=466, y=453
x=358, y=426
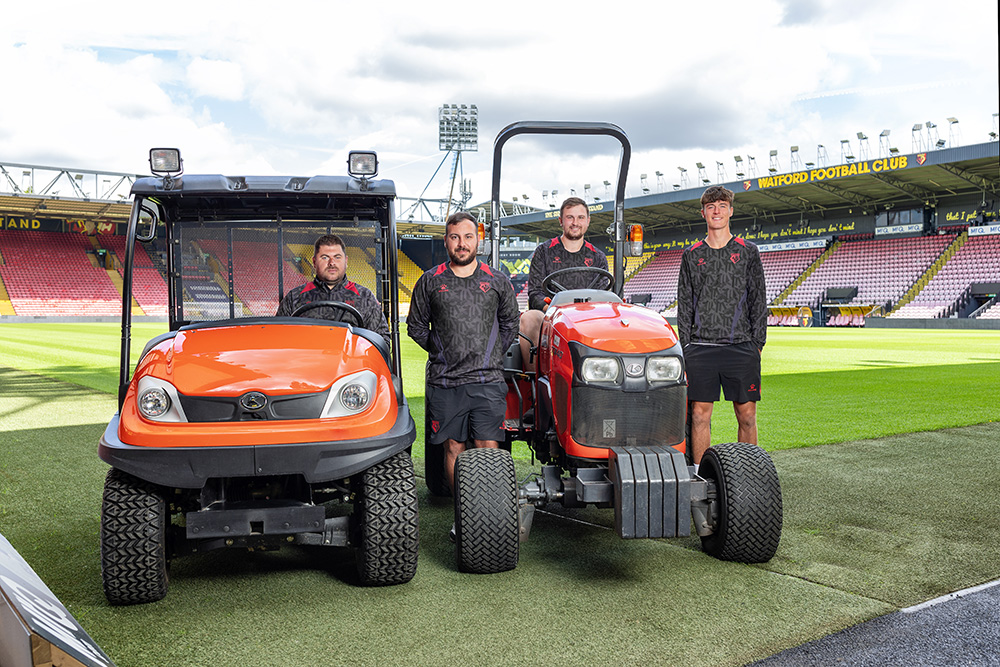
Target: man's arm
x=508, y=315
x=685, y=302
x=757, y=301
x=418, y=319
x=373, y=316
x=536, y=274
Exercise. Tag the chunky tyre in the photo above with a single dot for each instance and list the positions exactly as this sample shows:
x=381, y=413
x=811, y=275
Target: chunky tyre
x=133, y=540
x=386, y=515
x=486, y=523
x=747, y=510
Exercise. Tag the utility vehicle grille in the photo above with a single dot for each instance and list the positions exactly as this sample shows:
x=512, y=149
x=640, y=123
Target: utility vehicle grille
x=205, y=409
x=606, y=417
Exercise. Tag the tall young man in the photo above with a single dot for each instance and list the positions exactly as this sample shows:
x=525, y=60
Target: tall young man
x=722, y=322
x=465, y=315
x=567, y=250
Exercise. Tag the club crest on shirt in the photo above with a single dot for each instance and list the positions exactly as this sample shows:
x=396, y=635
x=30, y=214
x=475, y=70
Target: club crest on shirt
x=588, y=262
x=735, y=257
x=484, y=286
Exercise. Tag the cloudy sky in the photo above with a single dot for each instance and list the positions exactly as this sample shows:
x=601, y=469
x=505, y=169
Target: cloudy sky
x=289, y=87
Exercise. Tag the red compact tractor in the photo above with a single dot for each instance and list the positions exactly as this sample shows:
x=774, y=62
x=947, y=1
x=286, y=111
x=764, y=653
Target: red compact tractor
x=239, y=429
x=605, y=413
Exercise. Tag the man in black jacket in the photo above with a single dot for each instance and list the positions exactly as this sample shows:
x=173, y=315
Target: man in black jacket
x=721, y=322
x=331, y=284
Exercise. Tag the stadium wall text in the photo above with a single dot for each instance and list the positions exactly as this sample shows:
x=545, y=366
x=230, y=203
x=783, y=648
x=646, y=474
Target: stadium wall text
x=828, y=173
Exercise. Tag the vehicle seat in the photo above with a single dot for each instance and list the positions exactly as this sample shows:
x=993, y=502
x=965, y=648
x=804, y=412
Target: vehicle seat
x=512, y=360
x=584, y=296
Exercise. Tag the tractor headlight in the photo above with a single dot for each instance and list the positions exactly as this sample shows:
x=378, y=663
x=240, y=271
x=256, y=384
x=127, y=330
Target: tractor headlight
x=664, y=369
x=354, y=397
x=154, y=402
x=350, y=395
x=601, y=370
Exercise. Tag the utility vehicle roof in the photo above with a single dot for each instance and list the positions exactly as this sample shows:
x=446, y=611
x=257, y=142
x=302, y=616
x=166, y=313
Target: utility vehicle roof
x=217, y=184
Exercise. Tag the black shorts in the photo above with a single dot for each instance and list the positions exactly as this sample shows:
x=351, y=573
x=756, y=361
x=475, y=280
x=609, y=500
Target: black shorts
x=469, y=411
x=735, y=368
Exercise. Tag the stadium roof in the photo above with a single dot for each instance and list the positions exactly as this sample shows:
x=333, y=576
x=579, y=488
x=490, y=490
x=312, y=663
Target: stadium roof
x=901, y=181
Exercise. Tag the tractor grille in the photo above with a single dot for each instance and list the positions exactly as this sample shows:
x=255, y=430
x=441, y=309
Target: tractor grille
x=607, y=417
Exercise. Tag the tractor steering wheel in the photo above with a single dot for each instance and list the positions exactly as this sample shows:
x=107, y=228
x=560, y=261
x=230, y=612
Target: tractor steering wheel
x=551, y=286
x=348, y=309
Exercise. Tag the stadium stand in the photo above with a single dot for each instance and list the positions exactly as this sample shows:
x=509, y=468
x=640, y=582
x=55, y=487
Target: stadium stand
x=782, y=267
x=148, y=285
x=947, y=289
x=49, y=273
x=658, y=278
x=882, y=270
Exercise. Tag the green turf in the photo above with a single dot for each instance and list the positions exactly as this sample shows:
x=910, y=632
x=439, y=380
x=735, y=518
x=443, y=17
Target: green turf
x=870, y=526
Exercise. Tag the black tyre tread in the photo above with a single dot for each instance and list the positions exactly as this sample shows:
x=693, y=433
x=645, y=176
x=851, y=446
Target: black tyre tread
x=133, y=540
x=486, y=518
x=750, y=516
x=387, y=515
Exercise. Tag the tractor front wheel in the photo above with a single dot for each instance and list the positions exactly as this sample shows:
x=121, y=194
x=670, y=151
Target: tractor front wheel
x=486, y=522
x=746, y=512
x=386, y=515
x=133, y=540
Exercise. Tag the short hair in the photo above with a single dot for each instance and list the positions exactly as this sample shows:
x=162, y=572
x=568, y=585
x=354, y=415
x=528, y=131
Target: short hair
x=717, y=193
x=458, y=217
x=329, y=239
x=573, y=201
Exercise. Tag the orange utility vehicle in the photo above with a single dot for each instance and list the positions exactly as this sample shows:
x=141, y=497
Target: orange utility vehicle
x=245, y=430
x=605, y=413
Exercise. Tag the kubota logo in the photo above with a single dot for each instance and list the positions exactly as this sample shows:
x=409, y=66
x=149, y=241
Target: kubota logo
x=253, y=400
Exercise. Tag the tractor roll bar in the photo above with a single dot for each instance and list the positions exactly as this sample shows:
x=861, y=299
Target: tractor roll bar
x=565, y=127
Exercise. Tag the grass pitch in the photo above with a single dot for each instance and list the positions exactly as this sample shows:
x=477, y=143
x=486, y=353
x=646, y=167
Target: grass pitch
x=871, y=525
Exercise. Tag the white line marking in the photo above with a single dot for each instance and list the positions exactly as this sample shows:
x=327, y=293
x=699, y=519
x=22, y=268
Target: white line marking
x=950, y=596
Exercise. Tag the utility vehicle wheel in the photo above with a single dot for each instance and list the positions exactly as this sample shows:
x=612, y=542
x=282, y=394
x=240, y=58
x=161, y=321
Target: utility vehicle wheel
x=747, y=510
x=486, y=524
x=386, y=510
x=133, y=540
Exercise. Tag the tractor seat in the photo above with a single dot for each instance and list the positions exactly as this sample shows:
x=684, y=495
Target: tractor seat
x=512, y=360
x=584, y=296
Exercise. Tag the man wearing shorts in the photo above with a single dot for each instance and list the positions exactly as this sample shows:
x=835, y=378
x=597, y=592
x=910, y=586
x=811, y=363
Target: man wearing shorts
x=465, y=315
x=722, y=322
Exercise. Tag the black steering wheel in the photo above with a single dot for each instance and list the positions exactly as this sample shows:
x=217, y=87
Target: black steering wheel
x=551, y=286
x=348, y=309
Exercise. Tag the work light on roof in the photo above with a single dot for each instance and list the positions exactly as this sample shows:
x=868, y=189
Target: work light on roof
x=165, y=161
x=362, y=163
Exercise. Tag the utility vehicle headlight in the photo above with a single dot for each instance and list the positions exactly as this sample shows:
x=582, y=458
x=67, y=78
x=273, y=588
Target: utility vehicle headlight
x=354, y=397
x=158, y=400
x=601, y=369
x=165, y=161
x=350, y=395
x=362, y=163
x=664, y=369
x=154, y=402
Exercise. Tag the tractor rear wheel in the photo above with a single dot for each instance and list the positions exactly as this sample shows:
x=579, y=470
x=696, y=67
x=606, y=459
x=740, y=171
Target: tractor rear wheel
x=486, y=521
x=386, y=515
x=133, y=540
x=747, y=510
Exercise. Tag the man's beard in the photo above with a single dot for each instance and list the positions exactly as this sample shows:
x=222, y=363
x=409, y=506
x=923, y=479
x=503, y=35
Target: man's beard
x=457, y=261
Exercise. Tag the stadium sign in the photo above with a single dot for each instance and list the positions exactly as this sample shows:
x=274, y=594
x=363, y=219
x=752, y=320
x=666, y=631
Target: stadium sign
x=593, y=208
x=32, y=619
x=830, y=173
x=983, y=230
x=899, y=229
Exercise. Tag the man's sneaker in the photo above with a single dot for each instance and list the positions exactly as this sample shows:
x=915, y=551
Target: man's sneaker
x=451, y=534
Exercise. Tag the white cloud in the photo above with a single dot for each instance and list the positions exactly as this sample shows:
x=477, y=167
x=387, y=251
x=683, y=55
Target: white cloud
x=215, y=78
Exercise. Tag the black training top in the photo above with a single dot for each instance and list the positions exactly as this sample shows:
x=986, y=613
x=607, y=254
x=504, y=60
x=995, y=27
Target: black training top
x=720, y=295
x=465, y=324
x=552, y=256
x=349, y=292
